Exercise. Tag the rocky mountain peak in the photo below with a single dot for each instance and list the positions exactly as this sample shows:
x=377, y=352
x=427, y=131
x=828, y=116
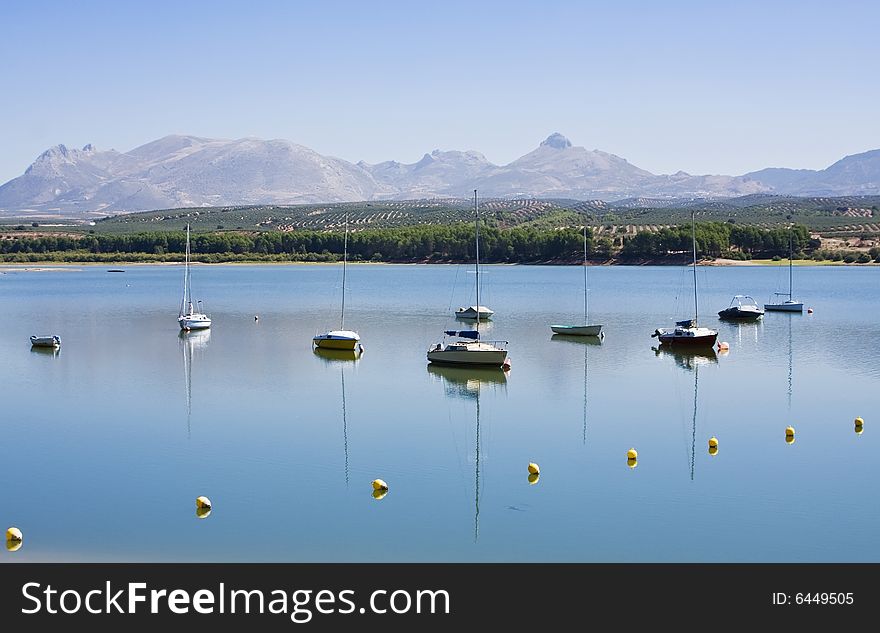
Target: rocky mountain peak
x=556, y=141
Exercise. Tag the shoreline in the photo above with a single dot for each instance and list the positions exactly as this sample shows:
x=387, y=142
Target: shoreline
x=49, y=266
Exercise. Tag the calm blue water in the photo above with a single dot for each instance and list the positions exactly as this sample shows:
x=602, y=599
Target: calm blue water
x=107, y=444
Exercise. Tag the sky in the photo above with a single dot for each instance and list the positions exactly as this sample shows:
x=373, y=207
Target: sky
x=704, y=87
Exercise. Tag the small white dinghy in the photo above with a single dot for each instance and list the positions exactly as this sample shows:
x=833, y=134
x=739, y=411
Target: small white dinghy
x=45, y=341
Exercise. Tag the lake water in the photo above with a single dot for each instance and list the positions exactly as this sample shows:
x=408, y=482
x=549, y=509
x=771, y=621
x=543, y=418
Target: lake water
x=107, y=443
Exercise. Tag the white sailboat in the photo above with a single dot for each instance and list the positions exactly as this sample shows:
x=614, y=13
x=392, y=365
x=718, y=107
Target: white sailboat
x=688, y=332
x=189, y=317
x=467, y=348
x=585, y=329
x=789, y=305
x=341, y=339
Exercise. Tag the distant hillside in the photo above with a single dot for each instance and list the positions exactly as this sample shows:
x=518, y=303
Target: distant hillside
x=189, y=171
x=858, y=174
x=853, y=213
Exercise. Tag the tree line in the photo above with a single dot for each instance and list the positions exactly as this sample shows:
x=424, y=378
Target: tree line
x=717, y=239
x=417, y=243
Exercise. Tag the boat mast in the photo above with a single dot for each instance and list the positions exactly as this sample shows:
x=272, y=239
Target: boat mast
x=477, y=267
x=694, y=237
x=344, y=260
x=790, y=247
x=185, y=274
x=586, y=311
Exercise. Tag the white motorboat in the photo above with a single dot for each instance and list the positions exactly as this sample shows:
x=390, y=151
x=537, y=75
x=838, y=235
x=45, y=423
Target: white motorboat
x=790, y=304
x=742, y=308
x=46, y=341
x=191, y=316
x=340, y=339
x=688, y=332
x=466, y=348
x=581, y=330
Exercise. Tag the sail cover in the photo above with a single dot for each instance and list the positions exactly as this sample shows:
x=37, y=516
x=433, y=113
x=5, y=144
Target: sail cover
x=686, y=323
x=464, y=333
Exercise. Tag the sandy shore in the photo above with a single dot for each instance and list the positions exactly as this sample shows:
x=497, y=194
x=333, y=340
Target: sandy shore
x=24, y=268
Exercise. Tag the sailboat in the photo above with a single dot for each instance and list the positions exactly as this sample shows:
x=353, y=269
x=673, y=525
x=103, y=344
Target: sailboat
x=190, y=318
x=789, y=305
x=340, y=339
x=688, y=332
x=467, y=348
x=585, y=329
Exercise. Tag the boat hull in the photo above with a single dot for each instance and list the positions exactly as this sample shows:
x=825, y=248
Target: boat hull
x=706, y=340
x=784, y=307
x=686, y=336
x=733, y=314
x=472, y=358
x=577, y=330
x=339, y=339
x=45, y=341
x=471, y=313
x=194, y=322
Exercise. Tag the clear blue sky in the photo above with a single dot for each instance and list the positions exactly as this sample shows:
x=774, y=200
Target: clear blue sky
x=699, y=86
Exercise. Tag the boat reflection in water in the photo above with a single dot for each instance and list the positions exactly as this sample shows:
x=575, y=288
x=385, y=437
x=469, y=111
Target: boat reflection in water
x=46, y=351
x=467, y=383
x=691, y=360
x=342, y=357
x=586, y=342
x=688, y=358
x=580, y=340
x=329, y=355
x=190, y=342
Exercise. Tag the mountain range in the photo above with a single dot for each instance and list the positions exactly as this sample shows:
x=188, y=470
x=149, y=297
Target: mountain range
x=187, y=171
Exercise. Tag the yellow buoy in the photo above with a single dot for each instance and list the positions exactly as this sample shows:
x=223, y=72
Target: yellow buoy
x=860, y=422
x=713, y=442
x=378, y=493
x=534, y=477
x=379, y=484
x=13, y=546
x=632, y=462
x=13, y=535
x=859, y=429
x=533, y=468
x=789, y=431
x=203, y=502
x=789, y=439
x=203, y=513
x=632, y=454
x=713, y=450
